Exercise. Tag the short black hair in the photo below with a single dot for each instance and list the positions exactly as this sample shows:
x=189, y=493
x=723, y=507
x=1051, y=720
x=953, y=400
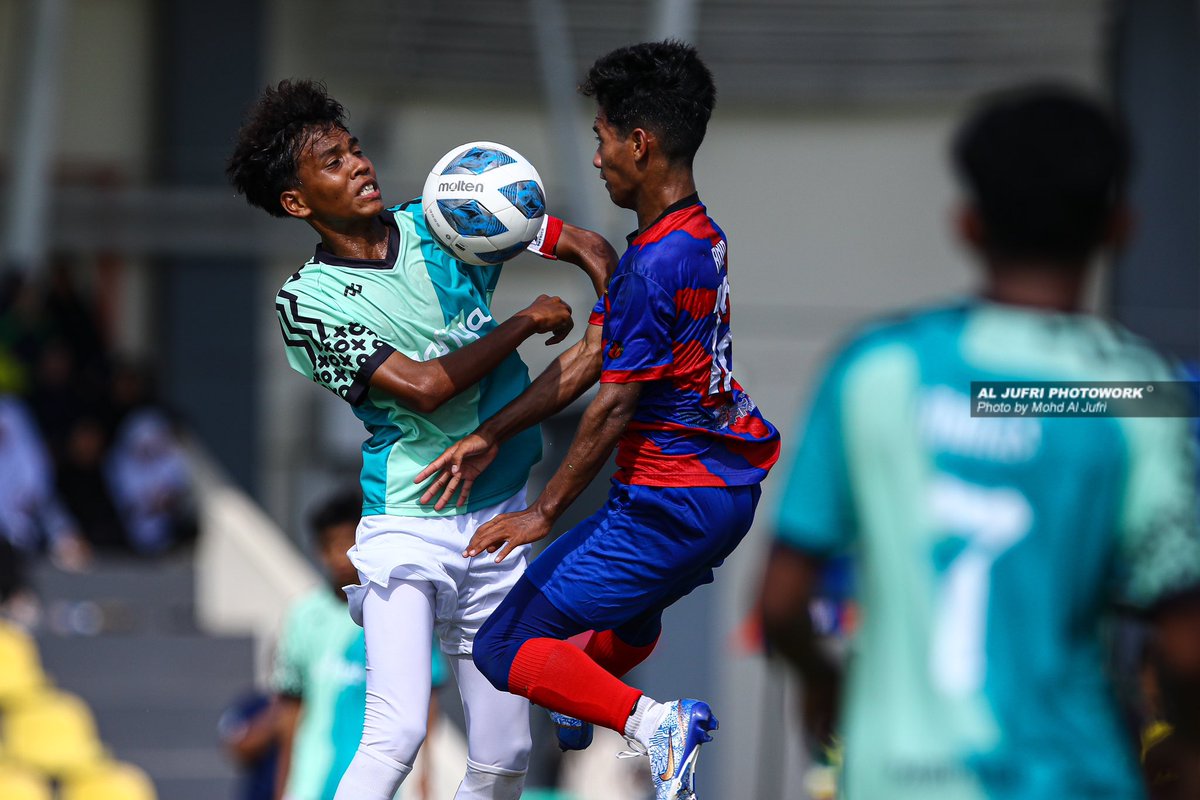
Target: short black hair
x=1046, y=165
x=663, y=87
x=343, y=507
x=265, y=158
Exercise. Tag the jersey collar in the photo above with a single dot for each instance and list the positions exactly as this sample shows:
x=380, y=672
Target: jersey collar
x=679, y=205
x=393, y=249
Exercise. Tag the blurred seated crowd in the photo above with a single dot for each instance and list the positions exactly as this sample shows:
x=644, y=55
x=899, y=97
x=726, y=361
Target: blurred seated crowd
x=90, y=460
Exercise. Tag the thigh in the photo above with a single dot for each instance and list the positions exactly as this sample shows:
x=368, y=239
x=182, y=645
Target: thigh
x=398, y=627
x=646, y=548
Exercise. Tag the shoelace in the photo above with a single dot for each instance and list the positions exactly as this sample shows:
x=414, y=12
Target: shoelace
x=636, y=749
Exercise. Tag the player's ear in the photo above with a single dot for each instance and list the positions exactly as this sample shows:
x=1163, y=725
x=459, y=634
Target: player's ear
x=968, y=224
x=293, y=203
x=1120, y=228
x=639, y=142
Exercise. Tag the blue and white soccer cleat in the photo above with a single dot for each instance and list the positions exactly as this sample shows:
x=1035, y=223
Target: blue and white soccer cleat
x=572, y=733
x=675, y=748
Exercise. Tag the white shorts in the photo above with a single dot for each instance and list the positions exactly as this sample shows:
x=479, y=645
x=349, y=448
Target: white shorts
x=467, y=590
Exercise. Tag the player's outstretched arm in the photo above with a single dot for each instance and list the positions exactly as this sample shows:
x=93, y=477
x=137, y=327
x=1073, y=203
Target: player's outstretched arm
x=425, y=385
x=788, y=586
x=567, y=377
x=589, y=251
x=599, y=430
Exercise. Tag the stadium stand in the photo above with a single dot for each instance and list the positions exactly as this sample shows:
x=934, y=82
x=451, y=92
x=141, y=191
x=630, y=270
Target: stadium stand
x=110, y=781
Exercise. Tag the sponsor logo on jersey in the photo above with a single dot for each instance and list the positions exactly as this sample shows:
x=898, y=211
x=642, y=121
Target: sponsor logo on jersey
x=464, y=329
x=352, y=290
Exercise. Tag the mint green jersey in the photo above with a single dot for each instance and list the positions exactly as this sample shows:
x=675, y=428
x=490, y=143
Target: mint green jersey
x=987, y=549
x=341, y=318
x=321, y=661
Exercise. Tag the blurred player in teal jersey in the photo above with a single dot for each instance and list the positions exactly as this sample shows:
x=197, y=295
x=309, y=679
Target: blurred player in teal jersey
x=987, y=548
x=390, y=322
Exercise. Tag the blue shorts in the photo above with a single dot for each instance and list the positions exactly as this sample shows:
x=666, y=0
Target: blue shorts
x=644, y=549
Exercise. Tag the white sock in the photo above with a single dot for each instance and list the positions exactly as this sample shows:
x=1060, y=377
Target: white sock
x=644, y=721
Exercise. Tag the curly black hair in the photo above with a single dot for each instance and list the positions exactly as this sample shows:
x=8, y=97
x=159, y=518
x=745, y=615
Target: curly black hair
x=284, y=120
x=1046, y=165
x=663, y=87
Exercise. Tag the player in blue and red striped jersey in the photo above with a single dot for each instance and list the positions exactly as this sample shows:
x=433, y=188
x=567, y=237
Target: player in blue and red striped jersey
x=692, y=447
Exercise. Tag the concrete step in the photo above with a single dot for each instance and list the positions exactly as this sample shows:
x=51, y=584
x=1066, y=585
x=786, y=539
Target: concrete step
x=132, y=671
x=119, y=595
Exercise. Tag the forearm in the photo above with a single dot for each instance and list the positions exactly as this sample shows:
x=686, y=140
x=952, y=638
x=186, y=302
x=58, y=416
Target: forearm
x=470, y=364
x=599, y=430
x=1176, y=652
x=288, y=721
x=568, y=377
x=425, y=386
x=789, y=585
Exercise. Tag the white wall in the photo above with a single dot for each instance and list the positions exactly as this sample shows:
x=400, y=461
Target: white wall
x=107, y=79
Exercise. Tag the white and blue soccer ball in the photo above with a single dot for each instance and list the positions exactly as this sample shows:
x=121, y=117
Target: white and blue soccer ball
x=484, y=202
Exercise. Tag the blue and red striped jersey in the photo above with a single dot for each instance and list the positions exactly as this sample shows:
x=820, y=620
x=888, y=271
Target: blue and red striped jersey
x=666, y=323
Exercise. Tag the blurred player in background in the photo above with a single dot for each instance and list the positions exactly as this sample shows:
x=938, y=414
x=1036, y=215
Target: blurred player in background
x=367, y=318
x=321, y=665
x=988, y=548
x=692, y=448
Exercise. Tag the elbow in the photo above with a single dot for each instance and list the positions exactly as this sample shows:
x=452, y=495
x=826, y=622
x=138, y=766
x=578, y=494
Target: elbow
x=592, y=251
x=428, y=395
x=600, y=252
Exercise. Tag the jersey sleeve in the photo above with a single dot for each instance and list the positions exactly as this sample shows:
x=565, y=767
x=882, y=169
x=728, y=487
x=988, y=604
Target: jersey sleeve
x=326, y=343
x=597, y=315
x=288, y=676
x=638, y=343
x=1160, y=520
x=816, y=512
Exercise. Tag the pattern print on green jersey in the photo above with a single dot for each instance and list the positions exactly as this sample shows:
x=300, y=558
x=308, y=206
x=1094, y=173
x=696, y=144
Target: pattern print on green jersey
x=335, y=355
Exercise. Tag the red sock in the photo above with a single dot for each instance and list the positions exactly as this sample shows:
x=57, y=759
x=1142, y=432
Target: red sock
x=561, y=677
x=615, y=655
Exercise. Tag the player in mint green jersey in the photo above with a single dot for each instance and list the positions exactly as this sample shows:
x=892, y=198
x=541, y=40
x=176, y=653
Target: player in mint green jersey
x=394, y=325
x=987, y=549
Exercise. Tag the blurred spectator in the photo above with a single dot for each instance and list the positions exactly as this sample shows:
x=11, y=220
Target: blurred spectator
x=71, y=320
x=151, y=483
x=83, y=484
x=32, y=517
x=57, y=397
x=987, y=547
x=131, y=389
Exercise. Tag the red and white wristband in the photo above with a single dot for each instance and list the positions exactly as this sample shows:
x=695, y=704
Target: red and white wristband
x=546, y=241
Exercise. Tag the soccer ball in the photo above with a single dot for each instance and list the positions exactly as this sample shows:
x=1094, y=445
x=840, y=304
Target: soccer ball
x=484, y=203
